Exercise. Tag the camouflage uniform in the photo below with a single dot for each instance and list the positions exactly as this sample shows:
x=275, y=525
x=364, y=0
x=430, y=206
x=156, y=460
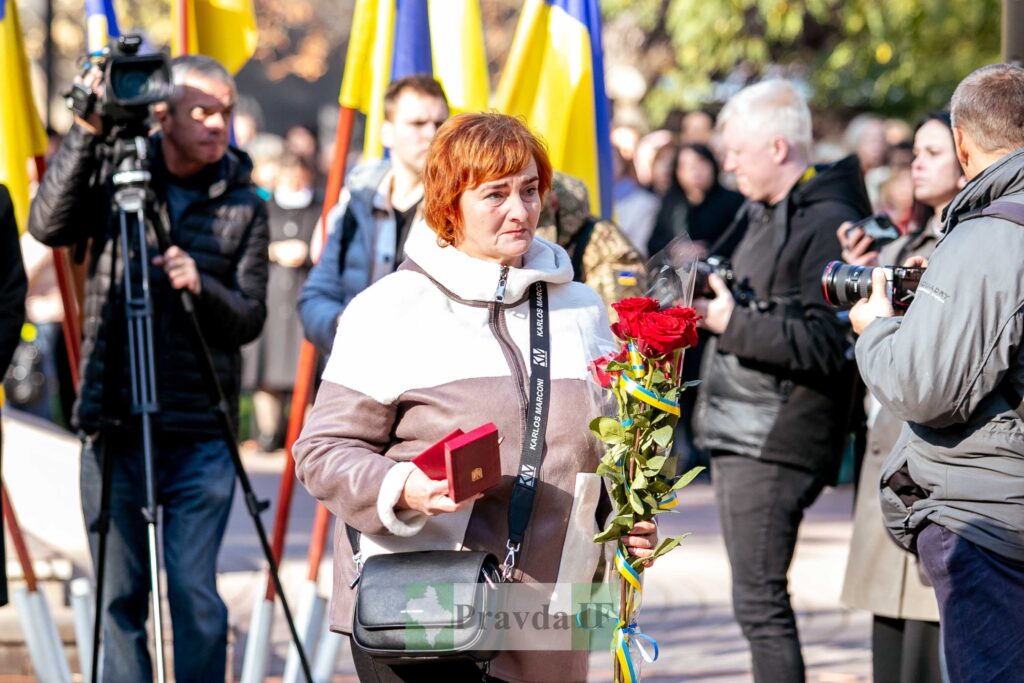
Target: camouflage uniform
x=610, y=264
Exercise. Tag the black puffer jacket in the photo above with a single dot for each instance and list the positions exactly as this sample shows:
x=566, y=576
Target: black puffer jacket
x=777, y=382
x=224, y=229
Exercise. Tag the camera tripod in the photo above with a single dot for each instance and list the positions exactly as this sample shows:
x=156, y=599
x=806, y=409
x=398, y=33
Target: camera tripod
x=131, y=199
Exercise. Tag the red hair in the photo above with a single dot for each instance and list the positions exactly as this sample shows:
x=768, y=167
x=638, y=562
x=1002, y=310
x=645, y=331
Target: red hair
x=469, y=150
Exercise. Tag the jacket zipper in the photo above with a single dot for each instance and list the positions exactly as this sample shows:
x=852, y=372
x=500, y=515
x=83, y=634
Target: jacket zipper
x=508, y=347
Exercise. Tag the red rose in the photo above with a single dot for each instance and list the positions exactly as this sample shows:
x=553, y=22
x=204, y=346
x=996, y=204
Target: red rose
x=661, y=334
x=599, y=367
x=690, y=317
x=629, y=311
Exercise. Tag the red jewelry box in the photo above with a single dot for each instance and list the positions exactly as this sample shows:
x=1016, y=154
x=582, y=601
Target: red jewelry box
x=470, y=462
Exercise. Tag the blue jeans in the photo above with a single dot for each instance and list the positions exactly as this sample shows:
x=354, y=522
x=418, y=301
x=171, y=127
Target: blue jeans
x=761, y=505
x=980, y=596
x=195, y=485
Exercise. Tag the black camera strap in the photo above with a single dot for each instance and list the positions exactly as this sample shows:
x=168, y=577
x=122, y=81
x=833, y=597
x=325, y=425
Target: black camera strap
x=535, y=427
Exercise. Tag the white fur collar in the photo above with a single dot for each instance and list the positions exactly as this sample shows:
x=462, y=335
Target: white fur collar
x=477, y=280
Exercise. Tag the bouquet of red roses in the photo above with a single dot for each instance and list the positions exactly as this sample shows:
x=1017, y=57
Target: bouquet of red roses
x=644, y=377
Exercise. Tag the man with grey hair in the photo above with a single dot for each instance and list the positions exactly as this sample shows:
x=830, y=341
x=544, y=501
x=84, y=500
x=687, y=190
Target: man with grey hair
x=203, y=196
x=777, y=390
x=952, y=368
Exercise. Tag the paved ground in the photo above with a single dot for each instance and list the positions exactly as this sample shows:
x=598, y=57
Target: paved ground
x=687, y=607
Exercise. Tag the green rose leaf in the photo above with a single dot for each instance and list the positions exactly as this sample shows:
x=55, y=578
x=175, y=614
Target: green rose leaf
x=608, y=429
x=663, y=436
x=687, y=478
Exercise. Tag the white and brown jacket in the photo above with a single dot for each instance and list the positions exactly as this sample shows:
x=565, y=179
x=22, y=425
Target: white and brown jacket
x=428, y=349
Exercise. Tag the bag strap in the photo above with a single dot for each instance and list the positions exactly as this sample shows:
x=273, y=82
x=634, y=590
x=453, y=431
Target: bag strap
x=579, y=244
x=524, y=489
x=349, y=228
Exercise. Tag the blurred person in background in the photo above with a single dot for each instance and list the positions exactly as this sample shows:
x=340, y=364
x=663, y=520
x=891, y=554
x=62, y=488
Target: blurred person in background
x=696, y=204
x=896, y=196
x=35, y=383
x=643, y=155
x=774, y=407
x=271, y=360
x=634, y=207
x=663, y=165
x=13, y=286
x=881, y=577
x=265, y=150
x=601, y=255
x=865, y=137
x=301, y=140
x=697, y=128
x=368, y=227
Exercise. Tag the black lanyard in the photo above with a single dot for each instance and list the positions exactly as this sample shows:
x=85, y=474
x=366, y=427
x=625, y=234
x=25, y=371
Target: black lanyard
x=525, y=488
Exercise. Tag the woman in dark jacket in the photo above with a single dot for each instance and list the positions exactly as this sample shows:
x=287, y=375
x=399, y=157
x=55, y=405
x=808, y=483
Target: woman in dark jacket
x=696, y=204
x=271, y=360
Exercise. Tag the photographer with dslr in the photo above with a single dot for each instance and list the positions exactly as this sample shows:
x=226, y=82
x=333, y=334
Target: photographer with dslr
x=203, y=197
x=774, y=405
x=952, y=368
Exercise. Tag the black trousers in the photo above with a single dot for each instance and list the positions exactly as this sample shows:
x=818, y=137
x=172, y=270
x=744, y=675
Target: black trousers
x=370, y=671
x=761, y=505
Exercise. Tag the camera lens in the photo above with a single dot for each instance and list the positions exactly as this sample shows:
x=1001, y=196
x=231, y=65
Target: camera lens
x=130, y=84
x=845, y=284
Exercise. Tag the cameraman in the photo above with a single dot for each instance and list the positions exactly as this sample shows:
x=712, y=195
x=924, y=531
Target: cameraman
x=953, y=369
x=773, y=409
x=219, y=228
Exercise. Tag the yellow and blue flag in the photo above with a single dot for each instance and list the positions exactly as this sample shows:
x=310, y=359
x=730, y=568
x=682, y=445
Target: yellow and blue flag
x=100, y=25
x=391, y=39
x=22, y=136
x=554, y=77
x=222, y=29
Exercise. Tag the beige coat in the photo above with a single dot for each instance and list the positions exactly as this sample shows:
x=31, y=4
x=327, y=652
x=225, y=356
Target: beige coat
x=881, y=577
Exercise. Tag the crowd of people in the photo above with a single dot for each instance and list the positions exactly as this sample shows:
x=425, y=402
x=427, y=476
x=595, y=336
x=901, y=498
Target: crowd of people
x=420, y=302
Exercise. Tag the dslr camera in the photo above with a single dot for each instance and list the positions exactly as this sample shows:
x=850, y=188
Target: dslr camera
x=705, y=268
x=847, y=284
x=132, y=83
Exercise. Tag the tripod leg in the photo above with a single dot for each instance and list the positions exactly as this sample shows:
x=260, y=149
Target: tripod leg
x=102, y=529
x=154, y=556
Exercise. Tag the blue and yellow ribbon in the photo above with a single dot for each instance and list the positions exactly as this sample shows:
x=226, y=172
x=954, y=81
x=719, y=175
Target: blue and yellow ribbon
x=628, y=573
x=636, y=362
x=647, y=396
x=668, y=502
x=625, y=632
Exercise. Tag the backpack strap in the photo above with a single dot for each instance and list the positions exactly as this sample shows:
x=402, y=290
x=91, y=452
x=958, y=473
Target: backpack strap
x=579, y=245
x=349, y=228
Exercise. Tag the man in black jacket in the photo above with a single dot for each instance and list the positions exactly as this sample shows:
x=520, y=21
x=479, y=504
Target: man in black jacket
x=218, y=225
x=13, y=288
x=777, y=389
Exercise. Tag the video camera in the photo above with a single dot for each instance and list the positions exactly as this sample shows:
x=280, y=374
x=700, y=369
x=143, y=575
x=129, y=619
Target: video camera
x=133, y=83
x=847, y=284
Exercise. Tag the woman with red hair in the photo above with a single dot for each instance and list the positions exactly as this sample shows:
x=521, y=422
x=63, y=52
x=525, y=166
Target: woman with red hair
x=451, y=341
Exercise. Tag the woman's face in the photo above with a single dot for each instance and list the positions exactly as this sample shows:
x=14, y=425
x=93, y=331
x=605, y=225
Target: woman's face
x=500, y=217
x=694, y=172
x=935, y=171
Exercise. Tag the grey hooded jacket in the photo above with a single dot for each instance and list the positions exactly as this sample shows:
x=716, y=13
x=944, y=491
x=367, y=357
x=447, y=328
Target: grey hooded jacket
x=943, y=369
